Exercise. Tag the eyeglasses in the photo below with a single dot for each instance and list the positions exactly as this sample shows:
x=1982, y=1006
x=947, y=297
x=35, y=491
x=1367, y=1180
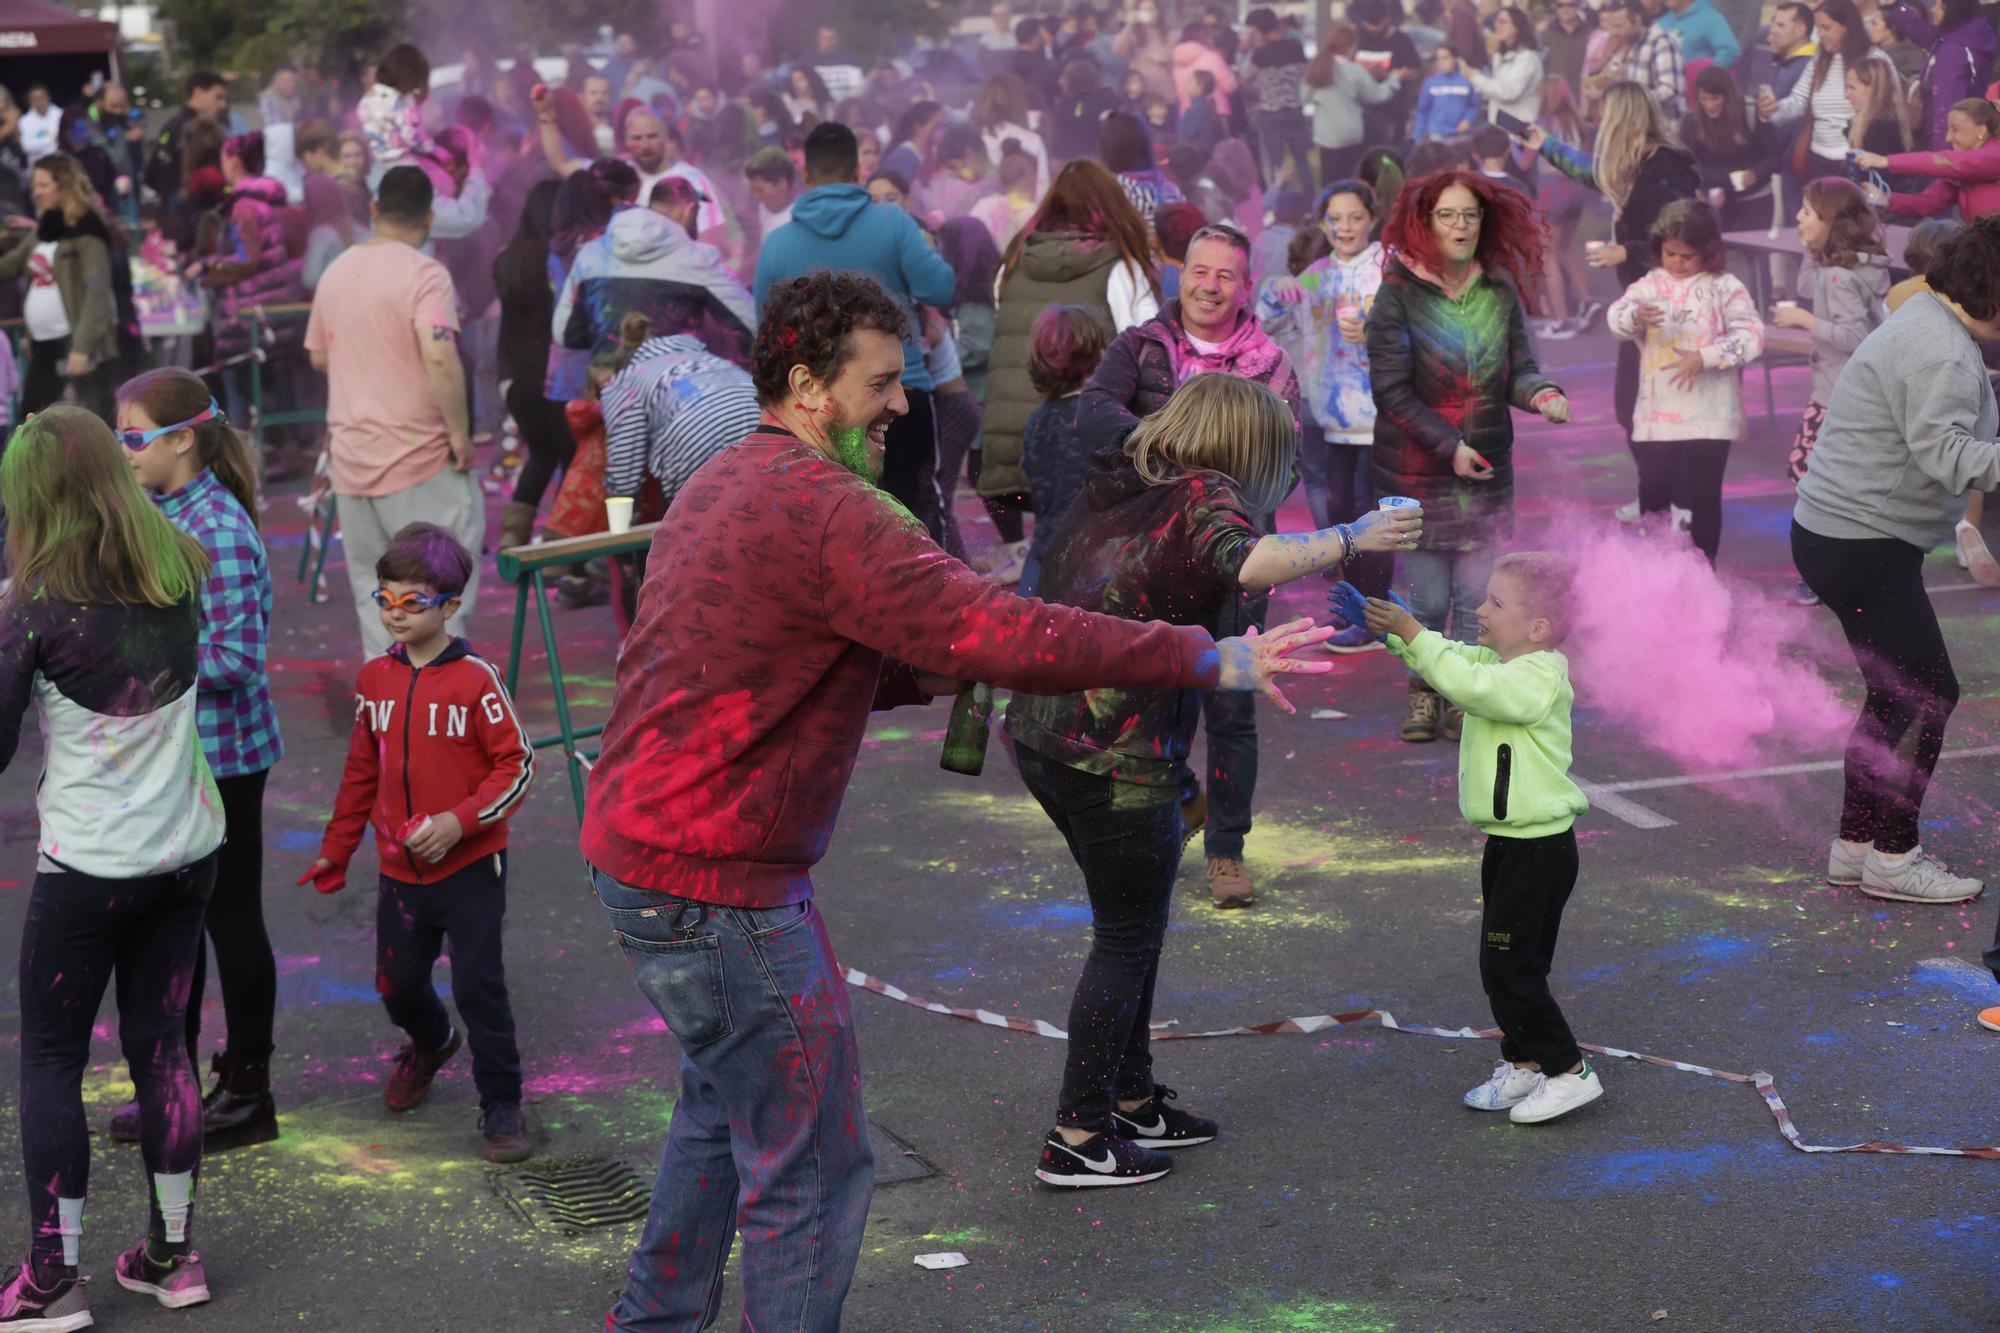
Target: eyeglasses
x=135, y=440
x=412, y=602
x=1455, y=217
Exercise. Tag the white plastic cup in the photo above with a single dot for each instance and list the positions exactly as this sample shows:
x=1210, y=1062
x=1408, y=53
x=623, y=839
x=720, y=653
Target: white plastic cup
x=1786, y=305
x=1742, y=179
x=1397, y=502
x=1592, y=247
x=618, y=513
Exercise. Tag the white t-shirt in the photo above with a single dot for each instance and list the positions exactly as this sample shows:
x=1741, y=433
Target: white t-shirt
x=39, y=132
x=43, y=310
x=1205, y=348
x=709, y=215
x=768, y=222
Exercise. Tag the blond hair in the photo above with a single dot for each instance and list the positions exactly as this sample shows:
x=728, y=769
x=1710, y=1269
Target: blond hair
x=75, y=195
x=1885, y=102
x=1225, y=426
x=1548, y=587
x=80, y=530
x=1631, y=131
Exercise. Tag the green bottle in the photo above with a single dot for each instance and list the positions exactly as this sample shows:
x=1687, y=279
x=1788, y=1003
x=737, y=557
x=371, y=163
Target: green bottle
x=965, y=735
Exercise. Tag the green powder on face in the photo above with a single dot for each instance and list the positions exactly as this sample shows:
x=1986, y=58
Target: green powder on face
x=850, y=449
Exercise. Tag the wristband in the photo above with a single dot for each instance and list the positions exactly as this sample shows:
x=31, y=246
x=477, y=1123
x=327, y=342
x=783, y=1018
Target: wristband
x=1346, y=541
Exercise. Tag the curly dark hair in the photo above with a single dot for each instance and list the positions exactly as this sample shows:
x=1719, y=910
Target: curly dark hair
x=1966, y=268
x=810, y=322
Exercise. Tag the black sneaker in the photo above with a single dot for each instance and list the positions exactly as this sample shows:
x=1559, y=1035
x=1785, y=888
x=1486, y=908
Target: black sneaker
x=1154, y=1124
x=1101, y=1159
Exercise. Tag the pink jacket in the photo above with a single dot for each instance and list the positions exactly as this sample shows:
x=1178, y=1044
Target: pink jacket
x=1191, y=56
x=1970, y=180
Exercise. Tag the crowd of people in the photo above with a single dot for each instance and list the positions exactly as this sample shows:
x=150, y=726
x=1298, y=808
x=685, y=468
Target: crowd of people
x=1128, y=282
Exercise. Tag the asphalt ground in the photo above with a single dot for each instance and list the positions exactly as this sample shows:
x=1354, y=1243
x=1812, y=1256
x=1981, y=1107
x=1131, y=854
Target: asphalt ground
x=1349, y=1192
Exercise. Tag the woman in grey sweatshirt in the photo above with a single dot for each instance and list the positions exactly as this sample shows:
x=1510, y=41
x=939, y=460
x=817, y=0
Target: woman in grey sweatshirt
x=1910, y=427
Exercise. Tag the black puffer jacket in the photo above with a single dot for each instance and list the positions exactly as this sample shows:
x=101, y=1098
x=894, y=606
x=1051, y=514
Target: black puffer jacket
x=1447, y=370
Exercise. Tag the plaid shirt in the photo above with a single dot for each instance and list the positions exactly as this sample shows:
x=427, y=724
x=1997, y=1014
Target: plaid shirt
x=238, y=725
x=1655, y=64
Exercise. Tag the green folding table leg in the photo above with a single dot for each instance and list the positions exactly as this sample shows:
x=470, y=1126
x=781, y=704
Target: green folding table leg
x=571, y=759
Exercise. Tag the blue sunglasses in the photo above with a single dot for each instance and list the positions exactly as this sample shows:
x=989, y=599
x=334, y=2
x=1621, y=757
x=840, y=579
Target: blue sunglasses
x=135, y=440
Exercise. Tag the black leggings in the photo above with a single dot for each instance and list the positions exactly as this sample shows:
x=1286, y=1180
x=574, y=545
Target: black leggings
x=44, y=382
x=1004, y=510
x=910, y=462
x=1688, y=470
x=80, y=932
x=235, y=923
x=1875, y=587
x=1129, y=854
x=545, y=430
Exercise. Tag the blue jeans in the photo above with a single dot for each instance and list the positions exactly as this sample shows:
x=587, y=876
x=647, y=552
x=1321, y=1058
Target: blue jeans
x=1339, y=482
x=768, y=1137
x=1230, y=720
x=1446, y=588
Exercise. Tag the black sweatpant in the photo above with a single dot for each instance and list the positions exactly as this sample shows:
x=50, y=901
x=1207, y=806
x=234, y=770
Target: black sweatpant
x=1875, y=588
x=1690, y=471
x=81, y=931
x=44, y=383
x=545, y=430
x=413, y=922
x=235, y=925
x=910, y=462
x=1129, y=849
x=1524, y=883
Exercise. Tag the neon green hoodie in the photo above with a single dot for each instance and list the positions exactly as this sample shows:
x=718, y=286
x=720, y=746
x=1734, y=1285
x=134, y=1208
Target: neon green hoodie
x=1513, y=756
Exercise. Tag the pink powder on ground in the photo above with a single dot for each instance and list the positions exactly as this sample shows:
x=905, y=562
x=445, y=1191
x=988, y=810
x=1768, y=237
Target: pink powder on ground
x=1708, y=670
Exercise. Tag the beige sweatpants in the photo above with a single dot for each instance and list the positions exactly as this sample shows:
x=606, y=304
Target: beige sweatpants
x=452, y=500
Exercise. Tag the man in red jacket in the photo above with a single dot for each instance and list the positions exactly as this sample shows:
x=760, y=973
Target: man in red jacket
x=788, y=596
x=436, y=764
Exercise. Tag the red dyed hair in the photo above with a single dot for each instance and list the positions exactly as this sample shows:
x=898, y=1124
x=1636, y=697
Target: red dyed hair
x=1512, y=236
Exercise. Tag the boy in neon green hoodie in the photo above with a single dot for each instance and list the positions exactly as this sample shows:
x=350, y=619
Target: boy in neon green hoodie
x=1514, y=786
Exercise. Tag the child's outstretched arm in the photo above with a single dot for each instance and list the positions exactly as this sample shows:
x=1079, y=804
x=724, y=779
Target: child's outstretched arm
x=1280, y=558
x=1521, y=691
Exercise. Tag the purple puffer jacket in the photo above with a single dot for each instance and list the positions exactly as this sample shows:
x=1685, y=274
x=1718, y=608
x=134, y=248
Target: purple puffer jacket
x=1957, y=70
x=253, y=266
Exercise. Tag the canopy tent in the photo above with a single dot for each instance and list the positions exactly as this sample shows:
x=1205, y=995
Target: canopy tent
x=43, y=42
x=43, y=27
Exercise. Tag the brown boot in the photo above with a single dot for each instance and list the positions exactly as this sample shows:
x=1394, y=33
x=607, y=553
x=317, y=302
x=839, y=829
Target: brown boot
x=1229, y=883
x=1420, y=724
x=517, y=524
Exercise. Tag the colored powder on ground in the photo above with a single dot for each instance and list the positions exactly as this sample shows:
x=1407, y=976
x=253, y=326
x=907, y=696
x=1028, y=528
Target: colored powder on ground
x=1709, y=671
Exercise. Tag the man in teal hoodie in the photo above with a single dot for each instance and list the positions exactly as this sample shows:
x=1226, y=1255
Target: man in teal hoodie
x=1513, y=786
x=1703, y=32
x=836, y=226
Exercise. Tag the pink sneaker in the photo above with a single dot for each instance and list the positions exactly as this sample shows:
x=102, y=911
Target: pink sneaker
x=175, y=1284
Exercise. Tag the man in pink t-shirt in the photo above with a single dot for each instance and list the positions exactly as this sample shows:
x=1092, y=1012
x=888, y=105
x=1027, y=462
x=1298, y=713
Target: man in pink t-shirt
x=385, y=329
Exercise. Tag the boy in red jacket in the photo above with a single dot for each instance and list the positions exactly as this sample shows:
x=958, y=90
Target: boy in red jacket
x=436, y=764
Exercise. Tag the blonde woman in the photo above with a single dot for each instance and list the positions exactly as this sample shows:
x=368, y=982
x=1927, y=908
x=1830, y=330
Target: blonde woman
x=1820, y=96
x=1881, y=121
x=69, y=309
x=1172, y=534
x=130, y=823
x=1641, y=167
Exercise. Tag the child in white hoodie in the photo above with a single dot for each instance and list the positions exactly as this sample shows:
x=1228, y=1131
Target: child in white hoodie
x=1321, y=315
x=390, y=114
x=1697, y=327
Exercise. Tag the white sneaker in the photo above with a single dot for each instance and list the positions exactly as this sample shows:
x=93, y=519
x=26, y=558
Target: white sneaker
x=1013, y=561
x=1683, y=518
x=1916, y=878
x=1627, y=513
x=1844, y=867
x=1558, y=1095
x=1974, y=558
x=1509, y=1086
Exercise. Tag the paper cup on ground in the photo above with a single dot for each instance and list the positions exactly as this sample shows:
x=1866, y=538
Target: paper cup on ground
x=617, y=514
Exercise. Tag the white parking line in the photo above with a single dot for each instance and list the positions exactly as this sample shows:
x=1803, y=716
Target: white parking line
x=1605, y=795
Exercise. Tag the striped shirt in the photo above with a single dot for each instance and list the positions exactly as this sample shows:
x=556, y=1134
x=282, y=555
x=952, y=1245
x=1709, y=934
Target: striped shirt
x=669, y=411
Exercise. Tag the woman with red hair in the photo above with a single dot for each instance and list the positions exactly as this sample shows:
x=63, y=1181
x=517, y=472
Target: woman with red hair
x=1448, y=355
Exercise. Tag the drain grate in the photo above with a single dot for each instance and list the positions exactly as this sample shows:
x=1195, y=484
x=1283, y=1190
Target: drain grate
x=580, y=1194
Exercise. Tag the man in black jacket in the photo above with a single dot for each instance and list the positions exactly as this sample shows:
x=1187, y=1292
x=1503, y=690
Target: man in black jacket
x=207, y=95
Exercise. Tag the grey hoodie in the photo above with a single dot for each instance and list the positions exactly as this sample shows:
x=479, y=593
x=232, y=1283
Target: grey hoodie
x=1909, y=429
x=1846, y=304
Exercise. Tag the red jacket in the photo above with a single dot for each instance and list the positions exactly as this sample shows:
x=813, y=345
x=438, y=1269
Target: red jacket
x=775, y=586
x=429, y=740
x=1967, y=180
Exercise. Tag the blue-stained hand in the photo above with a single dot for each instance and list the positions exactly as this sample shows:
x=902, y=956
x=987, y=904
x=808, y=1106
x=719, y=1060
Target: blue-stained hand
x=1347, y=602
